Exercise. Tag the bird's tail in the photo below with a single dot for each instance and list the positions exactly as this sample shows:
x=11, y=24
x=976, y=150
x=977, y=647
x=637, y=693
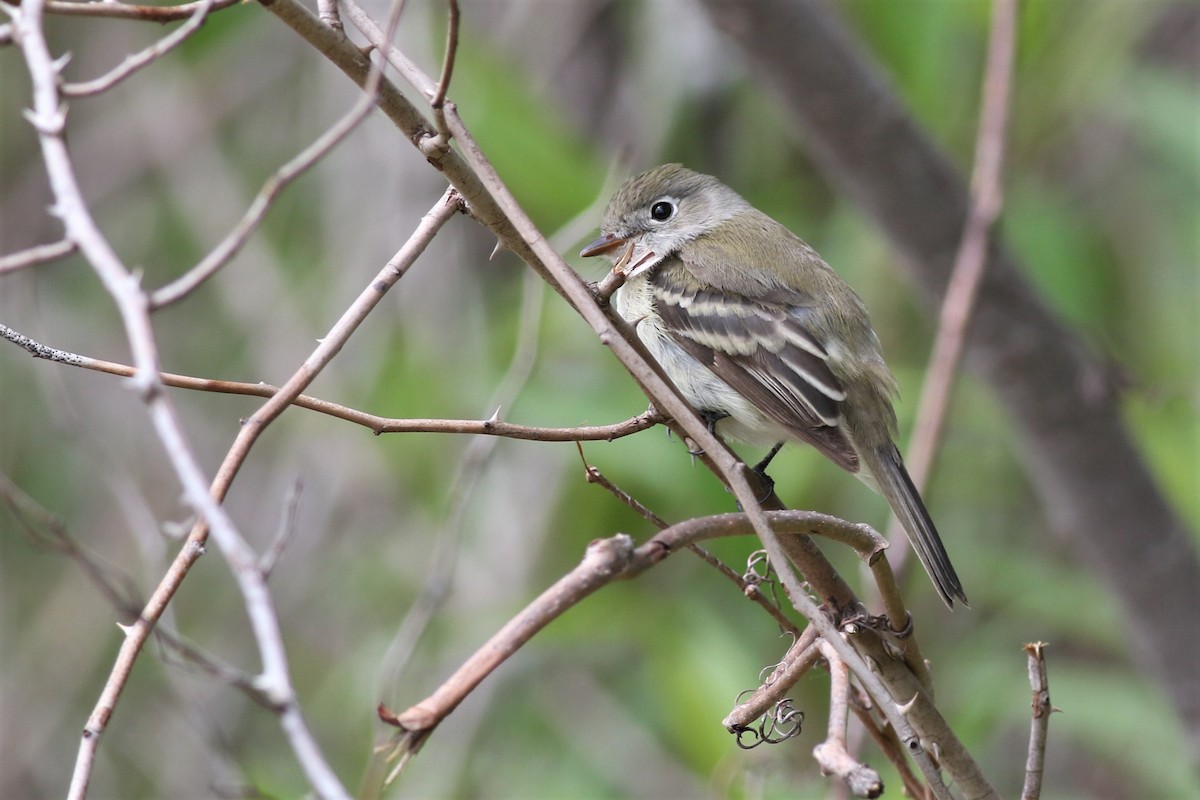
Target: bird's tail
x=897, y=488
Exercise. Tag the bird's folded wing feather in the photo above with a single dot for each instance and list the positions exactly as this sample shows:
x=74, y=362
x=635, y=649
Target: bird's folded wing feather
x=761, y=348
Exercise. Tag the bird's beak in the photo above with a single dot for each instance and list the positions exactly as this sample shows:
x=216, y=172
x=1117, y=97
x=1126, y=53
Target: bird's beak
x=605, y=243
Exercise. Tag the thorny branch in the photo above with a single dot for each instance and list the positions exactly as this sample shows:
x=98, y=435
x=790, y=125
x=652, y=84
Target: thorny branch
x=48, y=118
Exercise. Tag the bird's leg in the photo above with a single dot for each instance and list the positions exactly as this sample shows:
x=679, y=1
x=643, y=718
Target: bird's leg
x=767, y=482
x=761, y=466
x=760, y=469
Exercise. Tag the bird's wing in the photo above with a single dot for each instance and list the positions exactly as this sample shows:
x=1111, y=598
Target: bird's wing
x=763, y=350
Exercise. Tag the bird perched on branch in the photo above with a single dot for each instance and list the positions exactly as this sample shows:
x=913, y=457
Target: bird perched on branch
x=761, y=336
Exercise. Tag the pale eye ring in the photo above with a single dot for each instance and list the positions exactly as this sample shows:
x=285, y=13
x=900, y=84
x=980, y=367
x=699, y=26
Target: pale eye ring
x=662, y=210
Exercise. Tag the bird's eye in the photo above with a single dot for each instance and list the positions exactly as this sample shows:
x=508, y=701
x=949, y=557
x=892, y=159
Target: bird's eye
x=662, y=211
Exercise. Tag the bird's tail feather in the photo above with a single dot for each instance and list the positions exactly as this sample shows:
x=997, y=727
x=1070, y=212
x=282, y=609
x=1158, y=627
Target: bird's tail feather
x=897, y=488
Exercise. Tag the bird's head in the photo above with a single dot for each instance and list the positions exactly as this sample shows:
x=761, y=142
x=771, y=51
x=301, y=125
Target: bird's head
x=654, y=214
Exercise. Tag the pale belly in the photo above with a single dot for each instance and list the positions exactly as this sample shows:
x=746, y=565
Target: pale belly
x=698, y=385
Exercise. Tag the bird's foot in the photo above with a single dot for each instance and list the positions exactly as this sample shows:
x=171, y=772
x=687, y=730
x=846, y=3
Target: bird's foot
x=711, y=418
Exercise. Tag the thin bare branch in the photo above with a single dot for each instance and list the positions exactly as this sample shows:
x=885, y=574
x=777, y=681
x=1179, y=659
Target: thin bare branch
x=113, y=10
x=888, y=743
x=284, y=533
x=233, y=242
x=214, y=667
x=832, y=754
x=799, y=659
x=493, y=426
x=443, y=85
x=48, y=117
x=46, y=530
x=253, y=427
x=1035, y=761
x=594, y=475
x=748, y=589
x=606, y=560
x=407, y=68
x=959, y=303
x=40, y=254
x=137, y=61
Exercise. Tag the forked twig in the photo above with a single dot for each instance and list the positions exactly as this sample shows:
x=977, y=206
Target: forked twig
x=137, y=61
x=832, y=754
x=747, y=588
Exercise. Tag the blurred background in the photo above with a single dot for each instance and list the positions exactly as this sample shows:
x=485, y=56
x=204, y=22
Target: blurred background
x=623, y=696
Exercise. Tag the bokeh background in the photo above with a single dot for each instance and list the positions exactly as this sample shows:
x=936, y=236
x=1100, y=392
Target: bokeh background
x=623, y=696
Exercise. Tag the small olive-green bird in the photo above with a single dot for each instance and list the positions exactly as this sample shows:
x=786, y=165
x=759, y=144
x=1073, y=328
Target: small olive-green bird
x=761, y=336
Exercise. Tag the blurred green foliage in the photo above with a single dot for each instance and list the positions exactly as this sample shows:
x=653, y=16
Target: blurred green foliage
x=624, y=695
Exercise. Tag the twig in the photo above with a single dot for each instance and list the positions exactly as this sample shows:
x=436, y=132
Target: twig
x=606, y=560
x=47, y=530
x=963, y=288
x=493, y=426
x=594, y=475
x=220, y=255
x=327, y=11
x=832, y=754
x=392, y=54
x=443, y=85
x=799, y=659
x=446, y=207
x=1035, y=761
x=748, y=589
x=137, y=61
x=48, y=117
x=214, y=667
x=106, y=8
x=896, y=713
x=444, y=559
x=888, y=743
x=39, y=254
x=284, y=533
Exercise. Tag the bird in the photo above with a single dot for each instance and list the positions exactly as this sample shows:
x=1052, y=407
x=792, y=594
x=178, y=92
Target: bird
x=763, y=338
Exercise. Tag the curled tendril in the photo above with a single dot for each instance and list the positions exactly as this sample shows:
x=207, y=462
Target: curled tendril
x=759, y=573
x=758, y=568
x=779, y=724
